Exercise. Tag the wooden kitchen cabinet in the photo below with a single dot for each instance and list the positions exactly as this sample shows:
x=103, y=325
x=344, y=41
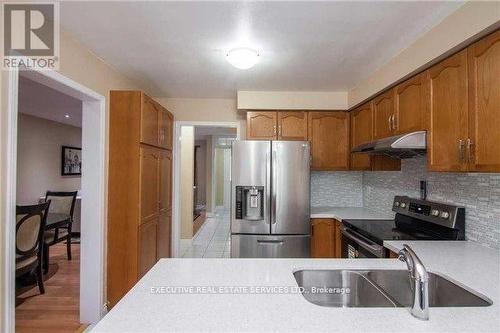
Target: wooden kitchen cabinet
x=147, y=245
x=448, y=114
x=165, y=181
x=262, y=125
x=139, y=189
x=410, y=106
x=483, y=143
x=277, y=125
x=292, y=126
x=149, y=183
x=326, y=238
x=383, y=113
x=328, y=133
x=361, y=132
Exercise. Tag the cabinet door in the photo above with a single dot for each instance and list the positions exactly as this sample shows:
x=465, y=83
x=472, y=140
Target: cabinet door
x=149, y=183
x=292, y=125
x=338, y=239
x=165, y=182
x=322, y=238
x=447, y=86
x=164, y=235
x=149, y=121
x=410, y=105
x=261, y=125
x=166, y=129
x=147, y=246
x=383, y=110
x=329, y=136
x=361, y=132
x=484, y=104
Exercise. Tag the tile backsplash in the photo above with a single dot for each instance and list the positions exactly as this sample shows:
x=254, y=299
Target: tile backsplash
x=337, y=189
x=478, y=192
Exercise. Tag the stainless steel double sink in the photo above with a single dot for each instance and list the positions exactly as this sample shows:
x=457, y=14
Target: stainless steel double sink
x=381, y=288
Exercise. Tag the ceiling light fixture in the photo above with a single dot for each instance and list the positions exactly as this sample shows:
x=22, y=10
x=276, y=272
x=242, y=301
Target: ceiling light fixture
x=242, y=58
x=66, y=116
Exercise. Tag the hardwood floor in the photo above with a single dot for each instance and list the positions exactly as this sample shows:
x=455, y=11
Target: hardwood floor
x=58, y=309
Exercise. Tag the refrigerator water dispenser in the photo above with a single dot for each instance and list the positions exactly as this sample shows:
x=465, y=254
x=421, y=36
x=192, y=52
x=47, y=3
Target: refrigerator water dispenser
x=250, y=203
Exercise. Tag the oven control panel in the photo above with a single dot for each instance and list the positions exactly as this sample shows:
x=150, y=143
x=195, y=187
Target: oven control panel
x=434, y=212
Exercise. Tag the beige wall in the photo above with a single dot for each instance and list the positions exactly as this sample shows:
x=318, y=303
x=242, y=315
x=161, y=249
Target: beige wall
x=219, y=176
x=39, y=144
x=186, y=182
x=466, y=22
x=205, y=109
x=292, y=100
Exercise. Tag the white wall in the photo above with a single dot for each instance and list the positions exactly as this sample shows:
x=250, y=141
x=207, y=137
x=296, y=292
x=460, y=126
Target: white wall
x=39, y=144
x=201, y=171
x=292, y=100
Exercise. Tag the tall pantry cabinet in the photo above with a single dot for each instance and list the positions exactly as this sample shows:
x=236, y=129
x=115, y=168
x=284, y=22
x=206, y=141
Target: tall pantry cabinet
x=139, y=189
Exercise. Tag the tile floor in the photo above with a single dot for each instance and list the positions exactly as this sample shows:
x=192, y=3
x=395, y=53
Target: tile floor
x=213, y=240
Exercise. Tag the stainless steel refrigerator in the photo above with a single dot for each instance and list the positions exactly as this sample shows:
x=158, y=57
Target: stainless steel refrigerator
x=270, y=199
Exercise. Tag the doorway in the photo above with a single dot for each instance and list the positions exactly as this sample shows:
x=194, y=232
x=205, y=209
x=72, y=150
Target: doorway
x=202, y=188
x=93, y=136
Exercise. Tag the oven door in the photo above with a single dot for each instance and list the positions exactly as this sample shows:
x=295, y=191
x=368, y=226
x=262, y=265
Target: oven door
x=355, y=245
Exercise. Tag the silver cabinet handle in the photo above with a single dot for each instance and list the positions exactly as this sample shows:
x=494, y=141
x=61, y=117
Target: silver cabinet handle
x=274, y=130
x=390, y=123
x=280, y=131
x=461, y=146
x=394, y=122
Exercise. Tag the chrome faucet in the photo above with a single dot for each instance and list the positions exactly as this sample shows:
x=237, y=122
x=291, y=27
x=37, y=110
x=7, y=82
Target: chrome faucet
x=420, y=282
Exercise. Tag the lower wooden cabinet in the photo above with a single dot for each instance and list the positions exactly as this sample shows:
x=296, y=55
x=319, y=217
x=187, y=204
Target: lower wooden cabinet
x=326, y=238
x=147, y=245
x=164, y=235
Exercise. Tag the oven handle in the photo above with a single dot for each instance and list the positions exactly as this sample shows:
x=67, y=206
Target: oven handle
x=362, y=241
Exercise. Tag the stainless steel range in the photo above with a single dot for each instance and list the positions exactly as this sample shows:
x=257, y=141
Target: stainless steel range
x=270, y=190
x=415, y=220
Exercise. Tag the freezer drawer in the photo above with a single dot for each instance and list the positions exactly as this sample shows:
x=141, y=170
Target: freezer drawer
x=256, y=246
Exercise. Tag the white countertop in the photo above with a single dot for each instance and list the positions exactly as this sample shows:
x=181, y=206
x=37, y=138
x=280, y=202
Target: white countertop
x=342, y=213
x=142, y=311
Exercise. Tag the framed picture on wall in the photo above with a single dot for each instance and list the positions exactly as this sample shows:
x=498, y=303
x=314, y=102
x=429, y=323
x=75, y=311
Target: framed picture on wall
x=71, y=161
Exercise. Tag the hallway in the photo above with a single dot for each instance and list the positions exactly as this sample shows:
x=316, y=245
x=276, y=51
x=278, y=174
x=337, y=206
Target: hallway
x=213, y=240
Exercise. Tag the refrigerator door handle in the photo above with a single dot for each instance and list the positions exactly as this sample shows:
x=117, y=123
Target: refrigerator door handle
x=274, y=186
x=269, y=241
x=268, y=181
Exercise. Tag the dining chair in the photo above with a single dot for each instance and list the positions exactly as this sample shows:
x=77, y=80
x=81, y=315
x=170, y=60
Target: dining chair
x=62, y=203
x=30, y=226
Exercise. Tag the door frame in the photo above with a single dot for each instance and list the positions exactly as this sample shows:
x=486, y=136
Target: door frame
x=176, y=205
x=93, y=189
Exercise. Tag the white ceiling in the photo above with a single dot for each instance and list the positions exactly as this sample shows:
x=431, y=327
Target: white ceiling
x=43, y=102
x=177, y=49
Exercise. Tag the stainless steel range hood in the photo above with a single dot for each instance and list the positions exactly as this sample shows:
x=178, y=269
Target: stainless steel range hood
x=399, y=146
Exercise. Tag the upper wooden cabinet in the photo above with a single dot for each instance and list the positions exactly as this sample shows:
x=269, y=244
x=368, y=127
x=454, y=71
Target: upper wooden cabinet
x=156, y=124
x=483, y=144
x=166, y=129
x=410, y=106
x=273, y=125
x=361, y=132
x=448, y=112
x=383, y=115
x=329, y=137
x=262, y=125
x=326, y=238
x=292, y=125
